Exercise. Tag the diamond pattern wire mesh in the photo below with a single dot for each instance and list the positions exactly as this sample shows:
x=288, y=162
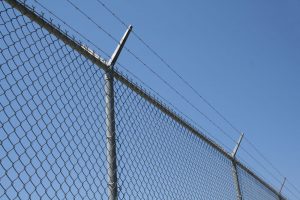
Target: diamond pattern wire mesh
x=52, y=116
x=252, y=189
x=53, y=141
x=159, y=159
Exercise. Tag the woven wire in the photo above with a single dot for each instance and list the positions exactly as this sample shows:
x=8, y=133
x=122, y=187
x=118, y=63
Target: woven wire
x=159, y=159
x=52, y=116
x=252, y=189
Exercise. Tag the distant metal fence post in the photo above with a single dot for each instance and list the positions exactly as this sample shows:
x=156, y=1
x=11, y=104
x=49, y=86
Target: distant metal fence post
x=110, y=120
x=234, y=169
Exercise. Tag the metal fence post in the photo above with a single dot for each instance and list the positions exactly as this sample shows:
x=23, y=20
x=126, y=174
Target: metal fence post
x=110, y=120
x=234, y=169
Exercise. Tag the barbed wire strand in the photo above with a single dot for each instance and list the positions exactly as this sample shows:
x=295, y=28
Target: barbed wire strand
x=296, y=188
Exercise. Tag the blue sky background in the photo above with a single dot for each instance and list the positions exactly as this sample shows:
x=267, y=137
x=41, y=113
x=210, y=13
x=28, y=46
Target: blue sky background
x=242, y=56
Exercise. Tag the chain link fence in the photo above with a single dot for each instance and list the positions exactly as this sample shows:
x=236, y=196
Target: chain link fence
x=53, y=128
x=252, y=189
x=160, y=159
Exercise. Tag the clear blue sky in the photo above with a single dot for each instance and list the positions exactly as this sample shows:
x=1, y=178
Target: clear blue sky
x=242, y=56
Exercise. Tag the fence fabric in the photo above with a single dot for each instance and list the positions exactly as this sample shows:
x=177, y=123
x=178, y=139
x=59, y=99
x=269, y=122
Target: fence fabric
x=53, y=124
x=160, y=159
x=52, y=116
x=253, y=189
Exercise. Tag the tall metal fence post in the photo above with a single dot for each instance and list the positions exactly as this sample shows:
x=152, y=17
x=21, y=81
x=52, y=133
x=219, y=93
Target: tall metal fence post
x=234, y=169
x=110, y=120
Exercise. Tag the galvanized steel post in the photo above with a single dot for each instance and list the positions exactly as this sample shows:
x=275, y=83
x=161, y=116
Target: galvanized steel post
x=234, y=169
x=110, y=120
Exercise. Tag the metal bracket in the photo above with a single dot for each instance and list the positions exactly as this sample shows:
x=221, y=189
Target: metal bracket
x=234, y=167
x=236, y=148
x=282, y=185
x=119, y=48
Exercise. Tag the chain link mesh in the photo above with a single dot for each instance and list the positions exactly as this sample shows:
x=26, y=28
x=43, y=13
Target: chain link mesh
x=159, y=159
x=53, y=140
x=252, y=189
x=52, y=116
